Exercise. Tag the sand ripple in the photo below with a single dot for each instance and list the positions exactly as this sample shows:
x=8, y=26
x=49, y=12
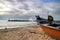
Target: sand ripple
x=24, y=33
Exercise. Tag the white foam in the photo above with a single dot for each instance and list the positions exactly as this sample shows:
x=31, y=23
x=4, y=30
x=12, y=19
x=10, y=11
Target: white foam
x=5, y=24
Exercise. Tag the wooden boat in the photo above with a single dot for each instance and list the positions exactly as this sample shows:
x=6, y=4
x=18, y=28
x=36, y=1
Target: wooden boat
x=52, y=31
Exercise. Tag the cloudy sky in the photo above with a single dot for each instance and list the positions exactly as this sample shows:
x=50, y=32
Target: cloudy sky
x=26, y=9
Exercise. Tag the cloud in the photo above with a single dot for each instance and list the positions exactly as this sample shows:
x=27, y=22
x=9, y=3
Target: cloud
x=21, y=8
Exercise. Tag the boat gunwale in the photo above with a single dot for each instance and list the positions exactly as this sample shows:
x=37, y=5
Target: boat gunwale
x=55, y=28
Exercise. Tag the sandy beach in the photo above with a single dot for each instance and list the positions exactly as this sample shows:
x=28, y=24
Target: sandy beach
x=24, y=33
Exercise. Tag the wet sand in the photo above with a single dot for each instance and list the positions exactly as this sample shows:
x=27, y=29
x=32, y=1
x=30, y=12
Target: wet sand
x=24, y=33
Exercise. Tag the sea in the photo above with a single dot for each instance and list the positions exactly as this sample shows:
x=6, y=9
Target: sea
x=5, y=24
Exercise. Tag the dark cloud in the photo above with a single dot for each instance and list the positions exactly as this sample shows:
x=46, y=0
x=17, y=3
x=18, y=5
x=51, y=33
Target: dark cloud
x=25, y=7
x=57, y=11
x=21, y=0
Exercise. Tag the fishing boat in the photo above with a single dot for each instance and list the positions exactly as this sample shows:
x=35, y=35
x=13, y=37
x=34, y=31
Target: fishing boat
x=52, y=29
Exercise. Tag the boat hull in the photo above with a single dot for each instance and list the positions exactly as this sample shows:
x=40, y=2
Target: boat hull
x=52, y=32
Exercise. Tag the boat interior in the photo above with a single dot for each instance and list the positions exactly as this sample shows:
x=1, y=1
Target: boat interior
x=54, y=26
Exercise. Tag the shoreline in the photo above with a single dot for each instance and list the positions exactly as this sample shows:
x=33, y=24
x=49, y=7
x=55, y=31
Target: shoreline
x=4, y=25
